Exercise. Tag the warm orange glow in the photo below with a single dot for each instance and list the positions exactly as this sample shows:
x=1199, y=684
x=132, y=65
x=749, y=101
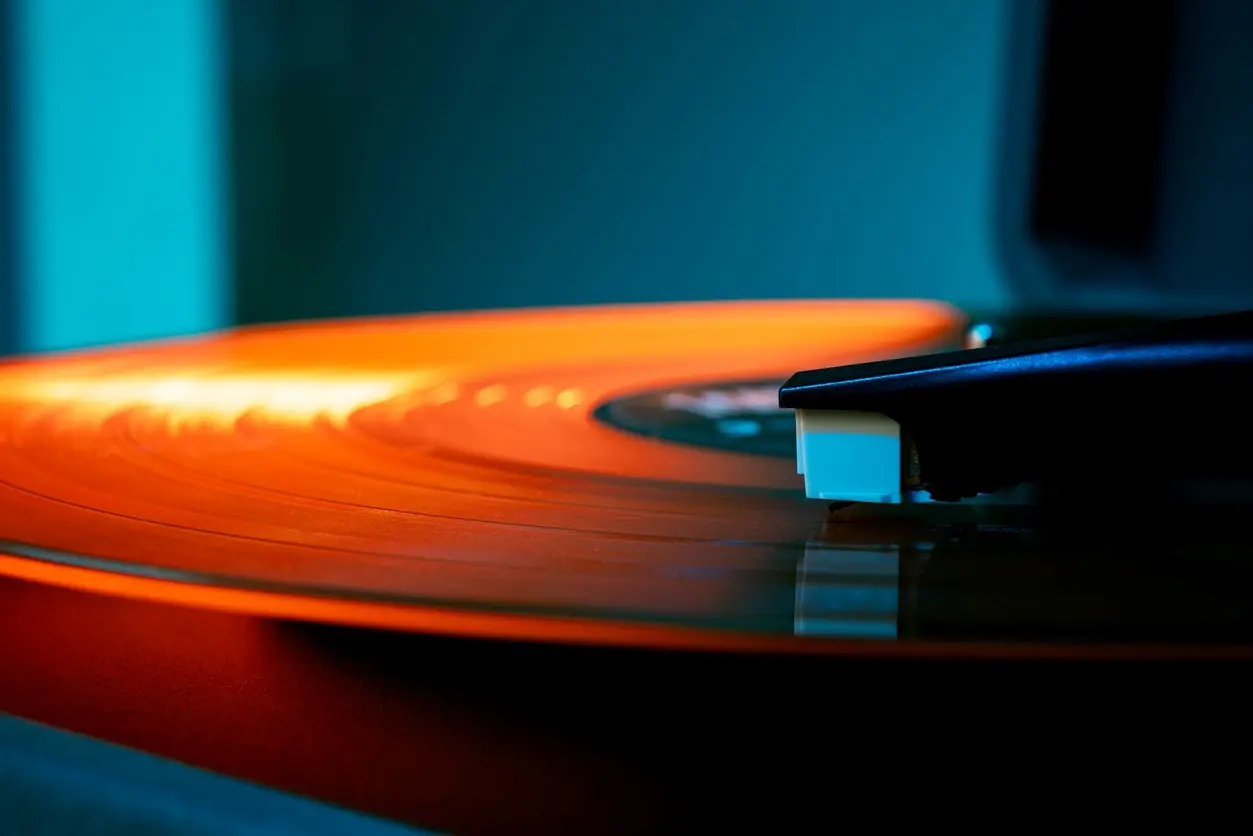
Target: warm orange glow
x=490, y=395
x=437, y=458
x=292, y=395
x=569, y=398
x=538, y=396
x=445, y=393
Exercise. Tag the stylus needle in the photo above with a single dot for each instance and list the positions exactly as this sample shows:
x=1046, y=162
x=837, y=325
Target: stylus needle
x=1133, y=410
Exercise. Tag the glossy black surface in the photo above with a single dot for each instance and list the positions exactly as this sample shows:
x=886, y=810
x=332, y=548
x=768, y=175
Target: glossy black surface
x=1141, y=408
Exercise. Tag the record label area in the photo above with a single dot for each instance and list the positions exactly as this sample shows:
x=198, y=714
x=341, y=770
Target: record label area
x=738, y=417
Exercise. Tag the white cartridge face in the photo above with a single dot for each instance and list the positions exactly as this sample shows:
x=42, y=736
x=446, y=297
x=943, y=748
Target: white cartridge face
x=849, y=456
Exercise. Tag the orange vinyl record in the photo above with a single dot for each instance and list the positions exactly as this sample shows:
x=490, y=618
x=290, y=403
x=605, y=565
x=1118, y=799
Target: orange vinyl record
x=614, y=475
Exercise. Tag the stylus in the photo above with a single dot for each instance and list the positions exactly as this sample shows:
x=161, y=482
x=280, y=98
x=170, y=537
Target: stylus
x=1132, y=410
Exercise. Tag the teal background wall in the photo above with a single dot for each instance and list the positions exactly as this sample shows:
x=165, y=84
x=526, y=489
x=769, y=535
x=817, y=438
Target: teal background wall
x=457, y=155
x=186, y=164
x=120, y=177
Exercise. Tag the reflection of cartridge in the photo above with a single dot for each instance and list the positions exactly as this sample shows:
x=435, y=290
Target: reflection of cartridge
x=996, y=572
x=848, y=593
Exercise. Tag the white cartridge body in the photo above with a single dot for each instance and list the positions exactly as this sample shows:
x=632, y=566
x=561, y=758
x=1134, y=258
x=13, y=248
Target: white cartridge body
x=849, y=456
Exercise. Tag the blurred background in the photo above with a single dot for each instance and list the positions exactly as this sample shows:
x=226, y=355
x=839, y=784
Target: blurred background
x=176, y=166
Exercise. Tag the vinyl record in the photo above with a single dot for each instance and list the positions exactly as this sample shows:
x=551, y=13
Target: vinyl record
x=616, y=475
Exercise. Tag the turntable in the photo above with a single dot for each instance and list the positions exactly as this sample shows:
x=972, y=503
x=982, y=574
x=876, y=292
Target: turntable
x=198, y=533
x=532, y=571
